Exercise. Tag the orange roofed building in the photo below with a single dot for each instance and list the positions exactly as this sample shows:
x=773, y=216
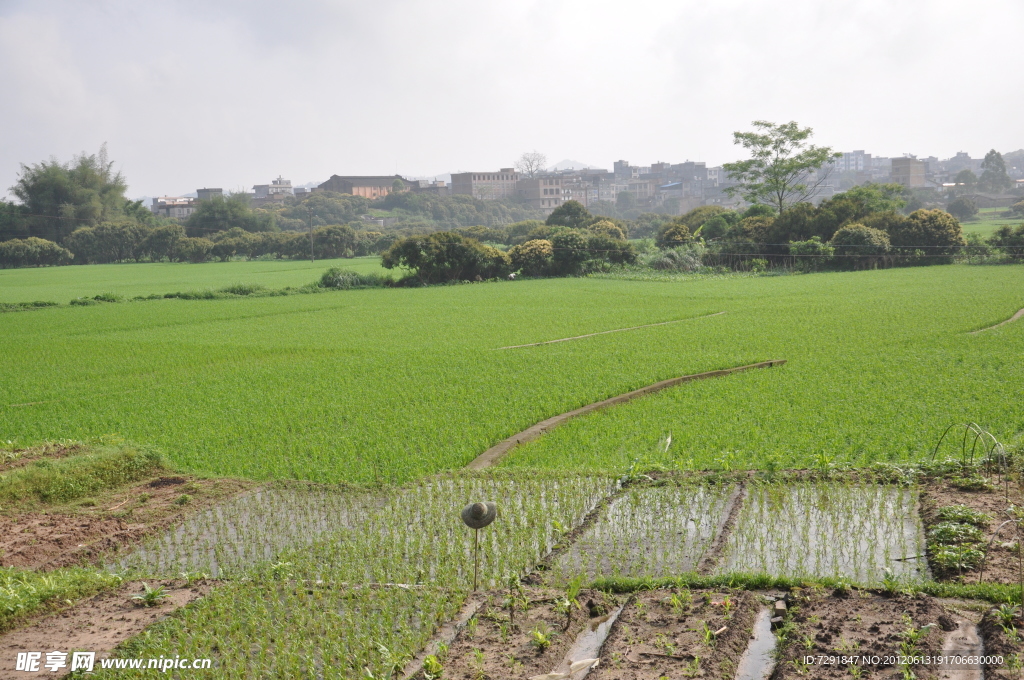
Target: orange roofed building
x=366, y=186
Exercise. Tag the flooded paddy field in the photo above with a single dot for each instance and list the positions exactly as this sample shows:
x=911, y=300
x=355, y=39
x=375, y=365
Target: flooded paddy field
x=854, y=532
x=650, y=531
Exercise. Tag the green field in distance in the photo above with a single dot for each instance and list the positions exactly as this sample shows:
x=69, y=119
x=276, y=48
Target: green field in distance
x=391, y=384
x=62, y=284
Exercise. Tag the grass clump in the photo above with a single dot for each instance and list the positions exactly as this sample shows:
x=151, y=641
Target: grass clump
x=58, y=481
x=24, y=592
x=344, y=279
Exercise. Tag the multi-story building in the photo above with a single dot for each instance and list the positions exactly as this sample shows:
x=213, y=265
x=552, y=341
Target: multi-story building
x=367, y=186
x=207, y=194
x=175, y=207
x=277, y=190
x=543, y=193
x=909, y=172
x=486, y=185
x=853, y=161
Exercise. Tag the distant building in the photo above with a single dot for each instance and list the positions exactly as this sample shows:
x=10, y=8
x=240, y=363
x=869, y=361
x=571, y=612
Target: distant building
x=853, y=161
x=426, y=186
x=486, y=185
x=175, y=207
x=207, y=194
x=367, y=186
x=275, y=191
x=542, y=193
x=910, y=172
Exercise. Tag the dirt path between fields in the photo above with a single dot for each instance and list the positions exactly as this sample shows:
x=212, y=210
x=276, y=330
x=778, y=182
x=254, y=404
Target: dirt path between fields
x=493, y=455
x=96, y=625
x=616, y=330
x=1013, y=318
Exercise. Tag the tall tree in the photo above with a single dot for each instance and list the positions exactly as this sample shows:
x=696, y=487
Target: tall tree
x=531, y=163
x=782, y=169
x=993, y=173
x=61, y=197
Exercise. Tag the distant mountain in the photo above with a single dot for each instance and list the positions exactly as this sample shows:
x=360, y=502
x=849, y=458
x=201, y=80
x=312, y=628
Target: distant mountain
x=569, y=164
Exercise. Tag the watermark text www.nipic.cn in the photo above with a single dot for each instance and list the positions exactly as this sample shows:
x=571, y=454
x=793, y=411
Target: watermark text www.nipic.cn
x=36, y=662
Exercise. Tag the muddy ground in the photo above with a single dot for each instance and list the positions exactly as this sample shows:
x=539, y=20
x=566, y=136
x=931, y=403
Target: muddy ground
x=823, y=625
x=1001, y=564
x=98, y=624
x=700, y=633
x=83, y=531
x=492, y=647
x=653, y=636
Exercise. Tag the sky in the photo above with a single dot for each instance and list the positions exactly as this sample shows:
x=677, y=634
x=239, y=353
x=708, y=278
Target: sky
x=225, y=93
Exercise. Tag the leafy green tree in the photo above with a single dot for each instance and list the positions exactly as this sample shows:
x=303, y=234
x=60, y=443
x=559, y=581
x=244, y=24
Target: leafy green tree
x=812, y=253
x=625, y=200
x=1018, y=208
x=108, y=242
x=398, y=186
x=223, y=213
x=607, y=228
x=33, y=252
x=966, y=181
x=195, y=250
x=334, y=241
x=570, y=251
x=446, y=256
x=570, y=214
x=533, y=258
x=163, y=242
x=962, y=207
x=783, y=169
x=14, y=221
x=61, y=197
x=1010, y=240
x=935, y=233
x=714, y=228
x=674, y=235
x=859, y=246
x=993, y=173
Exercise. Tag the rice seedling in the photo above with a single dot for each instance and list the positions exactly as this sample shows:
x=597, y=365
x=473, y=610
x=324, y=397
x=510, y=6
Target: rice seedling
x=648, y=531
x=335, y=362
x=850, y=531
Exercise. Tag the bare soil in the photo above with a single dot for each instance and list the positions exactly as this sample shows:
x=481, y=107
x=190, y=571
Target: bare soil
x=1001, y=563
x=492, y=649
x=1002, y=640
x=82, y=532
x=98, y=624
x=862, y=623
x=651, y=639
x=16, y=458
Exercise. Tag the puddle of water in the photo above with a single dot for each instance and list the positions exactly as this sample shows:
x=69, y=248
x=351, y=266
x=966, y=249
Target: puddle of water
x=964, y=641
x=588, y=644
x=758, y=659
x=659, y=531
x=845, y=531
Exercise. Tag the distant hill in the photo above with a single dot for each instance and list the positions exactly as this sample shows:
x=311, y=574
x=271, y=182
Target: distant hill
x=569, y=164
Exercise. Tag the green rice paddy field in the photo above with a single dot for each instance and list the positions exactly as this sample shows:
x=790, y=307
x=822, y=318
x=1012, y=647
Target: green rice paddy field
x=391, y=384
x=61, y=284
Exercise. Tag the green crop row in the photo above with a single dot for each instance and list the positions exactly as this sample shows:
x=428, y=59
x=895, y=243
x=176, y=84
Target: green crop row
x=390, y=385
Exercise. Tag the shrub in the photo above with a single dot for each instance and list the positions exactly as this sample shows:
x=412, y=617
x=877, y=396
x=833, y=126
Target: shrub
x=33, y=252
x=243, y=289
x=1010, y=240
x=962, y=208
x=446, y=256
x=533, y=258
x=570, y=251
x=936, y=232
x=344, y=280
x=713, y=228
x=859, y=245
x=811, y=253
x=673, y=235
x=1017, y=208
x=608, y=229
x=195, y=250
x=964, y=515
x=685, y=258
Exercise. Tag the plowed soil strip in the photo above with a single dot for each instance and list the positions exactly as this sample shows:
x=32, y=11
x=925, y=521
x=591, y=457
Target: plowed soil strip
x=96, y=625
x=1013, y=318
x=616, y=330
x=494, y=454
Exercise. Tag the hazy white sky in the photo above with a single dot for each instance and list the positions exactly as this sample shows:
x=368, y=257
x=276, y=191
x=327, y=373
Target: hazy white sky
x=195, y=93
